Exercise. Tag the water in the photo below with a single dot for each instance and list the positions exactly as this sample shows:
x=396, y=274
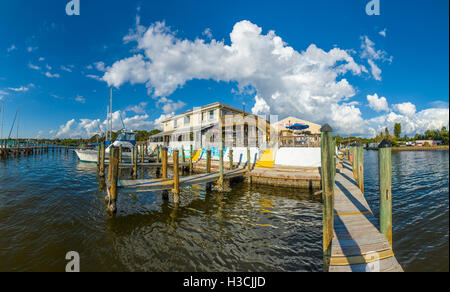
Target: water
x=52, y=204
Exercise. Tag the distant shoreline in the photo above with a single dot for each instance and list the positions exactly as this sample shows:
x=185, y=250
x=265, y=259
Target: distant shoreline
x=424, y=148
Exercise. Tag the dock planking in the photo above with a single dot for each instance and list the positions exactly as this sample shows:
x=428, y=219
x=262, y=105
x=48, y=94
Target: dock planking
x=148, y=185
x=357, y=244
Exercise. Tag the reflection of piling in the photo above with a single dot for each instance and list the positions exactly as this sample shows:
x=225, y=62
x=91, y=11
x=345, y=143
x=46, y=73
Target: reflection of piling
x=385, y=180
x=176, y=177
x=327, y=153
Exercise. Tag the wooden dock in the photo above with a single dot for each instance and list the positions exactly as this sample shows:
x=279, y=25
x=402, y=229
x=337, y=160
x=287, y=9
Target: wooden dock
x=357, y=244
x=149, y=185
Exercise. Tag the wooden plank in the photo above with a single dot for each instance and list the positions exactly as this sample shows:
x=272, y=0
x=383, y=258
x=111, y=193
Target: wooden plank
x=357, y=244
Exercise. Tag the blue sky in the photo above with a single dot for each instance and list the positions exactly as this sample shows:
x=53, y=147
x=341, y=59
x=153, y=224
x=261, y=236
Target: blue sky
x=58, y=69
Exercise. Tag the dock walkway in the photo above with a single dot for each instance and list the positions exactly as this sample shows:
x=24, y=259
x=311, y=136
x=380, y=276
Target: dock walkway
x=147, y=185
x=357, y=245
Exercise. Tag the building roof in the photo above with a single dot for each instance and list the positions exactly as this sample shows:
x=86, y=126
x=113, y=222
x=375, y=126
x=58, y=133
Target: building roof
x=211, y=105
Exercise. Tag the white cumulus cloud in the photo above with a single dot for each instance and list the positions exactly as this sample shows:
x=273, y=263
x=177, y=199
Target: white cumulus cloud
x=377, y=104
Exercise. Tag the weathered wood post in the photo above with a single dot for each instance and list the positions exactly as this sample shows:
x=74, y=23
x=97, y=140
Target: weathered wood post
x=326, y=144
x=135, y=160
x=101, y=171
x=183, y=156
x=114, y=164
x=220, y=181
x=208, y=161
x=164, y=162
x=360, y=169
x=249, y=166
x=158, y=154
x=385, y=180
x=230, y=154
x=142, y=154
x=191, y=153
x=110, y=166
x=120, y=154
x=176, y=177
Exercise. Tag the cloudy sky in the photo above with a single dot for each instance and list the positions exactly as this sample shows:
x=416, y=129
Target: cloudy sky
x=322, y=61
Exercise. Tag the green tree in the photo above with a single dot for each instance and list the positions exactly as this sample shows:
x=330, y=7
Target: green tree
x=397, y=130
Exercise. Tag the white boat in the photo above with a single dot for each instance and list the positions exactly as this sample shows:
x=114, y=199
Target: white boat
x=125, y=139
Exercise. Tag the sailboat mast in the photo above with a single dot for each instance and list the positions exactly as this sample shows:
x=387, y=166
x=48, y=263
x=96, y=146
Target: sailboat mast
x=1, y=133
x=17, y=133
x=107, y=123
x=110, y=106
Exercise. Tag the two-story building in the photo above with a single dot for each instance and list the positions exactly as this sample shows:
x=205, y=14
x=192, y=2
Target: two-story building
x=210, y=125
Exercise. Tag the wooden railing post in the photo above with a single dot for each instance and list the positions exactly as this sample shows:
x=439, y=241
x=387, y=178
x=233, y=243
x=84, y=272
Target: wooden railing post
x=360, y=169
x=164, y=162
x=385, y=180
x=327, y=153
x=176, y=177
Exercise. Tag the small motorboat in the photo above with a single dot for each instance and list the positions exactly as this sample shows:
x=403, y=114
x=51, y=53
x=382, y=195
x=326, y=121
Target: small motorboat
x=125, y=139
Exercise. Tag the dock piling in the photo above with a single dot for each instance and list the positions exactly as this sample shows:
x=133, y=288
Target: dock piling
x=249, y=167
x=327, y=159
x=164, y=162
x=385, y=180
x=176, y=177
x=220, y=181
x=114, y=166
x=102, y=160
x=191, y=153
x=230, y=154
x=360, y=165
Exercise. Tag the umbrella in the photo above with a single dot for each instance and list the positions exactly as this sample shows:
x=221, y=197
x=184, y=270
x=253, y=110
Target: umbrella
x=297, y=127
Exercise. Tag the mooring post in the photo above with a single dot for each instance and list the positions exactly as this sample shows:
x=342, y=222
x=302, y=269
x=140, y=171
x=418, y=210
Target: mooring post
x=360, y=154
x=208, y=161
x=176, y=177
x=220, y=182
x=191, y=153
x=164, y=162
x=355, y=163
x=327, y=152
x=385, y=180
x=102, y=160
x=98, y=158
x=230, y=154
x=249, y=167
x=110, y=166
x=183, y=154
x=135, y=159
x=334, y=158
x=114, y=164
x=142, y=154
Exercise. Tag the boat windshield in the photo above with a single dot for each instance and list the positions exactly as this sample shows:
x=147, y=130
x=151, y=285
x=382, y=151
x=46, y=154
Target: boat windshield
x=126, y=137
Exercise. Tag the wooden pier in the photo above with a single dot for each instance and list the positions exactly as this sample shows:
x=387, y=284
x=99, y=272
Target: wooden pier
x=13, y=152
x=351, y=240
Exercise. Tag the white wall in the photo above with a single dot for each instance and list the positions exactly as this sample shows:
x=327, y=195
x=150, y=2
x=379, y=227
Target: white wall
x=291, y=156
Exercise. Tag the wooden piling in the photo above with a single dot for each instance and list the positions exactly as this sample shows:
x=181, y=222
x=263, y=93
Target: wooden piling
x=183, y=156
x=114, y=164
x=142, y=154
x=327, y=189
x=101, y=171
x=220, y=181
x=120, y=154
x=135, y=160
x=164, y=162
x=385, y=181
x=230, y=154
x=176, y=176
x=208, y=161
x=191, y=153
x=360, y=160
x=249, y=166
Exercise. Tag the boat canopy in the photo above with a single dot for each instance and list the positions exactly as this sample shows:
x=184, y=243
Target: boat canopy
x=297, y=127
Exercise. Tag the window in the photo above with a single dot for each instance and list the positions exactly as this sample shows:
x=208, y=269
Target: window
x=211, y=114
x=203, y=117
x=187, y=120
x=174, y=123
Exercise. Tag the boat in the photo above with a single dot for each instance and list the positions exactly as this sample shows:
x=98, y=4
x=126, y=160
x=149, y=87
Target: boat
x=125, y=139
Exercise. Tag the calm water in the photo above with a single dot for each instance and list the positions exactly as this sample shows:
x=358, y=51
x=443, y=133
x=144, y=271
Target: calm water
x=52, y=204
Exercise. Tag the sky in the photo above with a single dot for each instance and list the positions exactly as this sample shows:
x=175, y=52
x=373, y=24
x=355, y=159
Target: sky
x=321, y=61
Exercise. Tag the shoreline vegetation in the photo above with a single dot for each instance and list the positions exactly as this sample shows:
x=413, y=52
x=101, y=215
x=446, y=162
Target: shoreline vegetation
x=423, y=148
